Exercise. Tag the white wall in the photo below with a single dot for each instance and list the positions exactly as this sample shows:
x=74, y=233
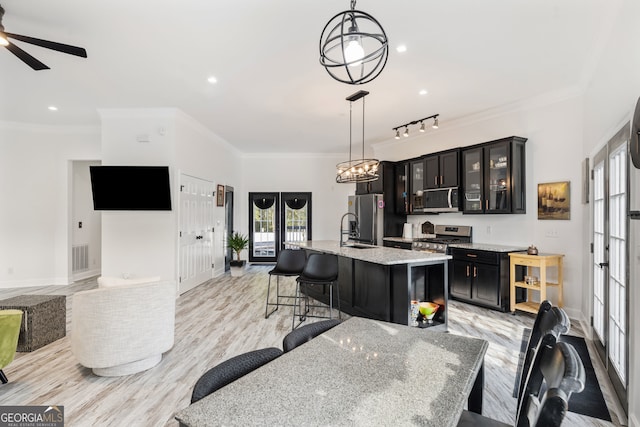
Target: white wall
x=139, y=244
x=35, y=184
x=299, y=172
x=610, y=98
x=552, y=124
x=202, y=154
x=82, y=212
x=146, y=243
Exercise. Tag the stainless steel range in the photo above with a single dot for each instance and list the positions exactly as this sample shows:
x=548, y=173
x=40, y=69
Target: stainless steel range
x=443, y=236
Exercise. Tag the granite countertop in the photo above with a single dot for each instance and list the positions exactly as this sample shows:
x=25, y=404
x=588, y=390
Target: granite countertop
x=491, y=247
x=361, y=372
x=374, y=254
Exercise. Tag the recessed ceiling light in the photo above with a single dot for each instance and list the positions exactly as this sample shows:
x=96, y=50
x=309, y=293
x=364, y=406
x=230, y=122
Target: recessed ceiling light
x=53, y=108
x=401, y=48
x=423, y=92
x=212, y=80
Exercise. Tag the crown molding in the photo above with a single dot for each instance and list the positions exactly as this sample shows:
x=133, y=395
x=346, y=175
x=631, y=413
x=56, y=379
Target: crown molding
x=58, y=129
x=541, y=101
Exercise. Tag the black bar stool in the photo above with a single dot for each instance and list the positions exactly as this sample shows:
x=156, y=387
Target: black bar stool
x=320, y=269
x=290, y=263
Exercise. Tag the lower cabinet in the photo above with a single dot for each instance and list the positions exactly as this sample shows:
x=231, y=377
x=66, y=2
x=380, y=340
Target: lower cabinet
x=382, y=292
x=480, y=277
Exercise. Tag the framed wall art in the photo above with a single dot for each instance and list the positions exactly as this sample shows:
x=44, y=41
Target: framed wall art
x=554, y=200
x=220, y=195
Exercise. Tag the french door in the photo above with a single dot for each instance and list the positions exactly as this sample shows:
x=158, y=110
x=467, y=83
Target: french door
x=196, y=232
x=610, y=260
x=276, y=218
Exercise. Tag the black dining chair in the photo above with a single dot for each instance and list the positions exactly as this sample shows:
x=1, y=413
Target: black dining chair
x=549, y=320
x=319, y=270
x=290, y=263
x=232, y=369
x=556, y=373
x=306, y=333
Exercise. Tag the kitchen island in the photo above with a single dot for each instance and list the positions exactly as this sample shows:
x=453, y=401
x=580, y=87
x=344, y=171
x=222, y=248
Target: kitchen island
x=379, y=282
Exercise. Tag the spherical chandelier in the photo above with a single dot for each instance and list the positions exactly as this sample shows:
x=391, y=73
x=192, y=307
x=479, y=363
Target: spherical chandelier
x=353, y=47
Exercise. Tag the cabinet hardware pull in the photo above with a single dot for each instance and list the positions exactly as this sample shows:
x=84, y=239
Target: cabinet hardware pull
x=472, y=255
x=475, y=272
x=467, y=271
x=486, y=203
x=603, y=264
x=441, y=179
x=435, y=180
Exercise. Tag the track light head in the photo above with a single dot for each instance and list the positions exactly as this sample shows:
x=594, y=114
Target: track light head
x=415, y=122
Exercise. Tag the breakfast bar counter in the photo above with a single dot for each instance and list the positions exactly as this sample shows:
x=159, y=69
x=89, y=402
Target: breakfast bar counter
x=380, y=282
x=362, y=372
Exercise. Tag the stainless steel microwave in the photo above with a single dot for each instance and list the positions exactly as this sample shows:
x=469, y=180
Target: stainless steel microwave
x=441, y=200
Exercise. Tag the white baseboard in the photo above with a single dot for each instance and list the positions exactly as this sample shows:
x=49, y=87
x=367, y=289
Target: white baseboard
x=86, y=274
x=27, y=283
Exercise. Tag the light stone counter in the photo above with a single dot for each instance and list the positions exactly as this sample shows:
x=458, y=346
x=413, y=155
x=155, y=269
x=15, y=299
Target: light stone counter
x=374, y=254
x=362, y=372
x=488, y=247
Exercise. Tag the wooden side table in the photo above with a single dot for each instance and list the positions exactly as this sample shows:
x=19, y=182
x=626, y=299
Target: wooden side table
x=542, y=262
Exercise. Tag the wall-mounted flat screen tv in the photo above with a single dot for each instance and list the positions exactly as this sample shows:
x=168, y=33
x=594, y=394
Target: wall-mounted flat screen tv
x=130, y=188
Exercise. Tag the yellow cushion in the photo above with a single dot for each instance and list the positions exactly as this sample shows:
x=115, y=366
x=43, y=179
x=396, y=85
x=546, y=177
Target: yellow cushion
x=9, y=331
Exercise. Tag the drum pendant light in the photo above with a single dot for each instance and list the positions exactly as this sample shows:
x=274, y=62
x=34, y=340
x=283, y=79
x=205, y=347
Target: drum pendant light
x=353, y=47
x=357, y=170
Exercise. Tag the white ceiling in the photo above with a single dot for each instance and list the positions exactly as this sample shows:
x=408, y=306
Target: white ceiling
x=272, y=95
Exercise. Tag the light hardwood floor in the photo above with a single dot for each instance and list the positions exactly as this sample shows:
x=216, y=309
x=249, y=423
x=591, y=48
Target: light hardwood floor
x=217, y=320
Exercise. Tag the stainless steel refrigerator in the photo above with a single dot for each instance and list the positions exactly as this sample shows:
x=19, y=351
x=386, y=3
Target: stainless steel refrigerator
x=371, y=218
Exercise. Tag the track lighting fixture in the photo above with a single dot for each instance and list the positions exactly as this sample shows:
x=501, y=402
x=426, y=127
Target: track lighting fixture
x=415, y=122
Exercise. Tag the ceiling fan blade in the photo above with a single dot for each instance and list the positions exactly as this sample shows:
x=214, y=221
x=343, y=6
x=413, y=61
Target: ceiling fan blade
x=26, y=58
x=60, y=47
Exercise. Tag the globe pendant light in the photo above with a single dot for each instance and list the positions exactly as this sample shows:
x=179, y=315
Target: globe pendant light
x=353, y=47
x=357, y=170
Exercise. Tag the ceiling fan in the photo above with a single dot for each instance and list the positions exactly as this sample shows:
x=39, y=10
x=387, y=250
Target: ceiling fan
x=28, y=59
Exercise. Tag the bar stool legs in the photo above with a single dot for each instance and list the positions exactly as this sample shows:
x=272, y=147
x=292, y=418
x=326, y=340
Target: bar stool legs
x=290, y=263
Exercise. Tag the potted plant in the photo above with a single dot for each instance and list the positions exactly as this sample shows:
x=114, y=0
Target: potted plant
x=237, y=242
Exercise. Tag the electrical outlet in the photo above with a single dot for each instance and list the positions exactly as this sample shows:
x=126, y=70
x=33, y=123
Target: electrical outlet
x=488, y=229
x=552, y=233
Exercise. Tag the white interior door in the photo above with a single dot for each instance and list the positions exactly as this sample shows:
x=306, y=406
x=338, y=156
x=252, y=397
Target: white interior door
x=197, y=204
x=610, y=259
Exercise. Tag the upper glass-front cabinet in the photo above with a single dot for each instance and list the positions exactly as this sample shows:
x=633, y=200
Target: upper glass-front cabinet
x=493, y=177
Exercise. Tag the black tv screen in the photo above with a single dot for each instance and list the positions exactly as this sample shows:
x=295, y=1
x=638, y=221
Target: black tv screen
x=130, y=188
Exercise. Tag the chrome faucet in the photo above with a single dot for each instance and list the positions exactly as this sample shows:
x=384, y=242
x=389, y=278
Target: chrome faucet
x=349, y=232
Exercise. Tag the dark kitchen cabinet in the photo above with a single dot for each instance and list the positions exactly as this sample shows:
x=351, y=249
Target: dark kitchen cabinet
x=480, y=277
x=402, y=193
x=493, y=177
x=441, y=170
x=386, y=185
x=397, y=244
x=416, y=184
